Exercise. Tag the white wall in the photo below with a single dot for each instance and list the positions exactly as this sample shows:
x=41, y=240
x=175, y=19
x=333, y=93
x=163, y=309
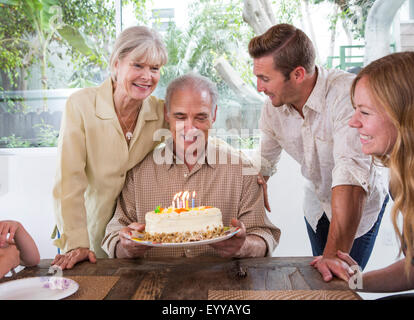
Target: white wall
x=26, y=180
x=28, y=197
x=285, y=192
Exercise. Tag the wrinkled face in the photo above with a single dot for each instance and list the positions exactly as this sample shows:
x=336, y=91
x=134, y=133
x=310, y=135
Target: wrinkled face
x=376, y=131
x=136, y=79
x=190, y=117
x=272, y=82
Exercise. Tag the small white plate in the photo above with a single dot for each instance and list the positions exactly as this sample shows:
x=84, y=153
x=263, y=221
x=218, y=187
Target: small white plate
x=38, y=288
x=228, y=234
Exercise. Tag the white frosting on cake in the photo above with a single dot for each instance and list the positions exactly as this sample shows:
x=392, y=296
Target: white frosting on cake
x=195, y=220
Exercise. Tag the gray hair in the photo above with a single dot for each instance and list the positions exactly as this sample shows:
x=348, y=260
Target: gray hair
x=193, y=81
x=146, y=44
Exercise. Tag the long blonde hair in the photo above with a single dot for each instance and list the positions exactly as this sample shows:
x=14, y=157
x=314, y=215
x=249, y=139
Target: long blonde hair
x=391, y=82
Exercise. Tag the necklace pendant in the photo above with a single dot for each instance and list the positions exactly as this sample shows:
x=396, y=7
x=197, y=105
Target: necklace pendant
x=128, y=135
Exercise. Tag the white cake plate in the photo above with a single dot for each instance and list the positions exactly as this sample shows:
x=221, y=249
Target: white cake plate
x=228, y=234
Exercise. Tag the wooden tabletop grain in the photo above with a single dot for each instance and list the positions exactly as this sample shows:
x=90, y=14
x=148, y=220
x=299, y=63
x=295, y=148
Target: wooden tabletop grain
x=193, y=278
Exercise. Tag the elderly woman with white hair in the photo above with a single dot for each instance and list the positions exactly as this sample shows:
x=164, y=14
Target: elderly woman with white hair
x=105, y=131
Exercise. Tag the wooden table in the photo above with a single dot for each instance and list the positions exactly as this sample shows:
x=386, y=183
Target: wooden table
x=198, y=278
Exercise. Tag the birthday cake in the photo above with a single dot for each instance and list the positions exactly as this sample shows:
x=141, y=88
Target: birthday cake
x=184, y=224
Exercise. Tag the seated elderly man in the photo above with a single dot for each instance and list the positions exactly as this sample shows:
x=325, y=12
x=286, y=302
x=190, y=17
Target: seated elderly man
x=191, y=111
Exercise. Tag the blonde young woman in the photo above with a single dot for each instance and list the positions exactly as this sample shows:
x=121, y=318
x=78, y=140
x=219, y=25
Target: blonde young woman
x=383, y=98
x=105, y=132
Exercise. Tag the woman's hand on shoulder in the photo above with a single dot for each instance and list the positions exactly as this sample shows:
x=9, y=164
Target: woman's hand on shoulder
x=69, y=259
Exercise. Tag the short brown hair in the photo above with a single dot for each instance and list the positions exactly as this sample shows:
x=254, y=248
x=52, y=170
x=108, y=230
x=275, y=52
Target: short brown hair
x=290, y=48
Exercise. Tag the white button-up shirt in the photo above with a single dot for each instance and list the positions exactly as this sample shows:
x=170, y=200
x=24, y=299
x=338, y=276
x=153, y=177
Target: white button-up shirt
x=328, y=150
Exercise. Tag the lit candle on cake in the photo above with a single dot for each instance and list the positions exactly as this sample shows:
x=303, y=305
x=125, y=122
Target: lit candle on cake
x=187, y=196
x=178, y=200
x=192, y=199
x=173, y=203
x=183, y=199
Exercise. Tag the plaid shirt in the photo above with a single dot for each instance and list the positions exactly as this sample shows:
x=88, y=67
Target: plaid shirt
x=225, y=186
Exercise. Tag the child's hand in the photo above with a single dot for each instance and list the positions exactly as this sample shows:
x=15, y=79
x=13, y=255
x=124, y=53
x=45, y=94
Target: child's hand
x=8, y=227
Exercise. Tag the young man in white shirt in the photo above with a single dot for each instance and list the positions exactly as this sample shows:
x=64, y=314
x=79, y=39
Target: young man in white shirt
x=307, y=115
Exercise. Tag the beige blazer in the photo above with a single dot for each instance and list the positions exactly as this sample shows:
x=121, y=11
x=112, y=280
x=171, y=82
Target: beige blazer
x=93, y=159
